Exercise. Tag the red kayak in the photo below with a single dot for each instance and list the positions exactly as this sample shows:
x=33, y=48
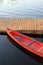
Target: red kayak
x=26, y=42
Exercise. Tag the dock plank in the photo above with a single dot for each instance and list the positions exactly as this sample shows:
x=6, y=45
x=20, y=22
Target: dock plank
x=24, y=25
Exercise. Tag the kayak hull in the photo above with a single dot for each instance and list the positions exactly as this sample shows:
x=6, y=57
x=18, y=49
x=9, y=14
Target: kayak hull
x=26, y=42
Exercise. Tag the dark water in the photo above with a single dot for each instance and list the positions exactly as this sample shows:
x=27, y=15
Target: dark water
x=12, y=55
x=21, y=8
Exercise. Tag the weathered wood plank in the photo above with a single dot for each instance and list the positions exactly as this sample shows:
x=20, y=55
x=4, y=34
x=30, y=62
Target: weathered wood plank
x=24, y=25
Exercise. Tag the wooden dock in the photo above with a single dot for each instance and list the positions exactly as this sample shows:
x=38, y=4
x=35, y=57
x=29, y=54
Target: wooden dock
x=23, y=25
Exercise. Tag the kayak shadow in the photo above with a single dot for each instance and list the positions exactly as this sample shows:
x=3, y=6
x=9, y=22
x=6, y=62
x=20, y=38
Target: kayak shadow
x=35, y=57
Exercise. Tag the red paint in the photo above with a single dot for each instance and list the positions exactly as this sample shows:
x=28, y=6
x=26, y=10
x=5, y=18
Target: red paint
x=26, y=42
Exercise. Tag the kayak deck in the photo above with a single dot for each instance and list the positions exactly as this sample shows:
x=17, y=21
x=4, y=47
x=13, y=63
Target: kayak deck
x=27, y=42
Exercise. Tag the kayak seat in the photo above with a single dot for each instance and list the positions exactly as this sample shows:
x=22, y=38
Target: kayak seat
x=31, y=43
x=19, y=37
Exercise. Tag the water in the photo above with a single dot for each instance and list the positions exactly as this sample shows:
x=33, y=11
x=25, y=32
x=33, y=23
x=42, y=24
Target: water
x=21, y=8
x=12, y=55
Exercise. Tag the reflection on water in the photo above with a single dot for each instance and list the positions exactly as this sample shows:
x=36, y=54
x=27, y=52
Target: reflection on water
x=21, y=8
x=11, y=55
